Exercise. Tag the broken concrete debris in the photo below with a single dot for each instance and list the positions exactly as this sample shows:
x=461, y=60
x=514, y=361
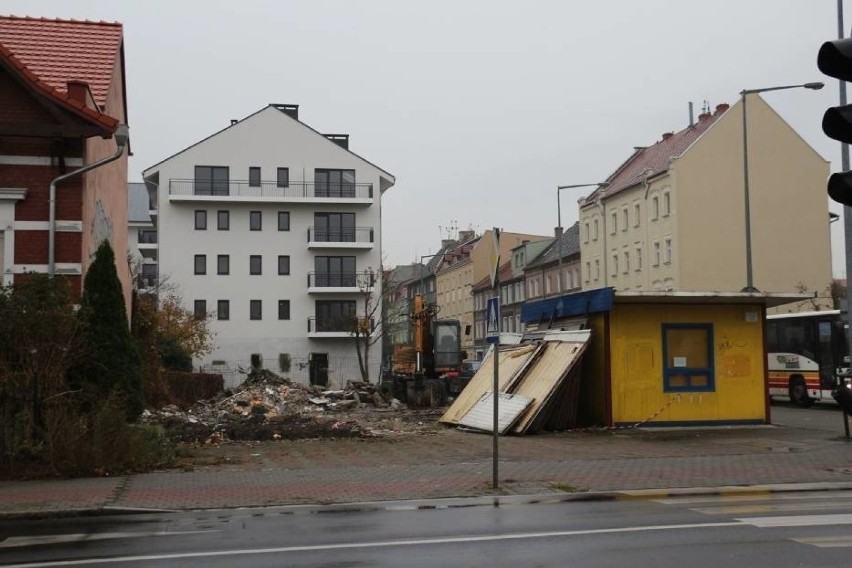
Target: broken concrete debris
x=269, y=407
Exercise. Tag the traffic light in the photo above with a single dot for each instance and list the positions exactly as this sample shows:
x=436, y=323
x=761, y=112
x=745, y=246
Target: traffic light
x=835, y=60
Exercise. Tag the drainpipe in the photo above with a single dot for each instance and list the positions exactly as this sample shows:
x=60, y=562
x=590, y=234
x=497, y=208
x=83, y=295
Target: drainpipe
x=121, y=137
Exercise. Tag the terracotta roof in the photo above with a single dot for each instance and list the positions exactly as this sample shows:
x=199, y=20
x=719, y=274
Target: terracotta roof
x=655, y=159
x=58, y=51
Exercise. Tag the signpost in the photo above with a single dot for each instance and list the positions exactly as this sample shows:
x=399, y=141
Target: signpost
x=493, y=335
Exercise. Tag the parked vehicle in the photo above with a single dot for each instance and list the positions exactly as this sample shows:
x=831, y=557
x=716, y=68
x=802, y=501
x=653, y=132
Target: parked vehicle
x=804, y=353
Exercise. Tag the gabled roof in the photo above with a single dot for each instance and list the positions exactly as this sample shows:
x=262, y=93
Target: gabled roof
x=58, y=51
x=46, y=55
x=570, y=245
x=655, y=159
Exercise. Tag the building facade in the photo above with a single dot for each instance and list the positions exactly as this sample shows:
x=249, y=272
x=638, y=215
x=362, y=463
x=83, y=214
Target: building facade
x=273, y=230
x=142, y=244
x=672, y=217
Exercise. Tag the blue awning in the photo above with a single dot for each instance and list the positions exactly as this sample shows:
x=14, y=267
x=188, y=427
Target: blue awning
x=568, y=305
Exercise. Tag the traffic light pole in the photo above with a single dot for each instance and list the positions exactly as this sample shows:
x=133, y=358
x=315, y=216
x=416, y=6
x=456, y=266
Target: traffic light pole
x=847, y=216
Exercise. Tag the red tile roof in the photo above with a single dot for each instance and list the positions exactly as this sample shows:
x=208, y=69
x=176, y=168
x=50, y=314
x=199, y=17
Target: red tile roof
x=656, y=158
x=58, y=51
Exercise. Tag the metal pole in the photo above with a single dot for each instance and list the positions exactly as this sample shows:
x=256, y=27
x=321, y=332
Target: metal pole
x=559, y=239
x=495, y=484
x=847, y=214
x=749, y=280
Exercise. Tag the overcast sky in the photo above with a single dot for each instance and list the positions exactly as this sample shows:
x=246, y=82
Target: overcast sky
x=479, y=108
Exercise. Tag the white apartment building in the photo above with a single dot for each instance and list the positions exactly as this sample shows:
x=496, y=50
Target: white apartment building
x=141, y=237
x=275, y=230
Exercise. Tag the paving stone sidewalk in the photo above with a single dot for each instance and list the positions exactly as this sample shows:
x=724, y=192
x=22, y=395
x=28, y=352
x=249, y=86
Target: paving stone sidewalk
x=451, y=463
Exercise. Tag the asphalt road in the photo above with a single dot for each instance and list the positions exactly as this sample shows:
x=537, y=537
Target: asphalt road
x=777, y=530
x=820, y=416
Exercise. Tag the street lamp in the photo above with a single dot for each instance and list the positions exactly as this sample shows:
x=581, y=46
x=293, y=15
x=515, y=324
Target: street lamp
x=749, y=287
x=559, y=189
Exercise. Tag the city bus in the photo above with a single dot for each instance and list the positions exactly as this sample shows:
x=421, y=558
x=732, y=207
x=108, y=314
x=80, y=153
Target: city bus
x=804, y=351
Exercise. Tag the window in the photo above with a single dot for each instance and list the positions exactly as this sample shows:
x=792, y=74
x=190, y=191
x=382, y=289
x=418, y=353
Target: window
x=254, y=177
x=211, y=180
x=201, y=264
x=283, y=220
x=223, y=220
x=638, y=258
x=586, y=232
x=223, y=264
x=595, y=233
x=200, y=309
x=637, y=214
x=283, y=309
x=688, y=357
x=255, y=264
x=201, y=220
x=597, y=268
x=656, y=254
x=334, y=227
x=668, y=251
x=255, y=220
x=588, y=270
x=655, y=207
x=614, y=227
x=626, y=262
x=334, y=183
x=615, y=265
x=255, y=309
x=283, y=177
x=335, y=271
x=625, y=219
x=667, y=204
x=547, y=287
x=223, y=309
x=335, y=315
x=283, y=265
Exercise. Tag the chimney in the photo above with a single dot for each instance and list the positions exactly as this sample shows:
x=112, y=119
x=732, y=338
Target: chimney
x=446, y=242
x=557, y=232
x=465, y=236
x=691, y=117
x=78, y=92
x=720, y=108
x=667, y=135
x=341, y=140
x=704, y=117
x=290, y=110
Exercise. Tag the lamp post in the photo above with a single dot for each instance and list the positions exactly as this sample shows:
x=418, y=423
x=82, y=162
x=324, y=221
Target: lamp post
x=559, y=189
x=749, y=287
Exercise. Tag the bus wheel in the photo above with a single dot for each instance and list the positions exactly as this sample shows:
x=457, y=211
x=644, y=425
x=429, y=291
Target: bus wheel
x=799, y=393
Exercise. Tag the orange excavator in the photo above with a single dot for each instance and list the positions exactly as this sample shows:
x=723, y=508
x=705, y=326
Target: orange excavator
x=423, y=372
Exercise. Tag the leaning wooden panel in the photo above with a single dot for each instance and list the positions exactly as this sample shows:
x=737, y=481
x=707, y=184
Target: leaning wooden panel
x=511, y=359
x=543, y=379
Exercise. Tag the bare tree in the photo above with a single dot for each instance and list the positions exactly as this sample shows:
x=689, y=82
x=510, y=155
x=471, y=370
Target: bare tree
x=363, y=326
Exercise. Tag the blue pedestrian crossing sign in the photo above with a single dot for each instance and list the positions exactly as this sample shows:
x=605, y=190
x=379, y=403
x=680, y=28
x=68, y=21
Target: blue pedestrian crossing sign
x=492, y=320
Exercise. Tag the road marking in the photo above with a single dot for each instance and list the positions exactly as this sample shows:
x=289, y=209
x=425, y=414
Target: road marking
x=41, y=540
x=765, y=497
x=360, y=545
x=844, y=541
x=798, y=521
x=769, y=508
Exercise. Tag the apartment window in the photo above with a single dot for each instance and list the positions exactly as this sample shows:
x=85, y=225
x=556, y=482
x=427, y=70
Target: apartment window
x=595, y=232
x=637, y=214
x=625, y=220
x=211, y=180
x=586, y=232
x=547, y=287
x=667, y=204
x=577, y=277
x=626, y=262
x=335, y=271
x=688, y=358
x=223, y=310
x=614, y=227
x=200, y=220
x=615, y=265
x=223, y=264
x=334, y=183
x=335, y=315
x=597, y=269
x=200, y=264
x=655, y=207
x=255, y=220
x=283, y=309
x=334, y=227
x=255, y=264
x=200, y=309
x=588, y=270
x=283, y=265
x=283, y=220
x=668, y=251
x=254, y=177
x=255, y=309
x=656, y=254
x=223, y=220
x=638, y=258
x=283, y=177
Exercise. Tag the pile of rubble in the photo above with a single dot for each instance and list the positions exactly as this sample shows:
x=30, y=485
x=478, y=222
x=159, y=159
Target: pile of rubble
x=268, y=407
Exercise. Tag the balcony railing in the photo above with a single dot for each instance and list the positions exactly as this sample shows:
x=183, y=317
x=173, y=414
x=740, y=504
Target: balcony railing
x=342, y=325
x=354, y=235
x=341, y=280
x=147, y=237
x=238, y=188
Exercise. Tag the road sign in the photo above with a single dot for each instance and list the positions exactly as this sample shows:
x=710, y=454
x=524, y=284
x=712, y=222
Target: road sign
x=492, y=320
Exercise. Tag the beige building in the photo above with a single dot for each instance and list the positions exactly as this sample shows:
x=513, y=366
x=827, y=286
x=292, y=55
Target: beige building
x=465, y=265
x=673, y=215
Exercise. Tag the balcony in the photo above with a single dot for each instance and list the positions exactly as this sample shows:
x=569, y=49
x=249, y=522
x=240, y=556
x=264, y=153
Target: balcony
x=189, y=190
x=352, y=238
x=335, y=329
x=341, y=282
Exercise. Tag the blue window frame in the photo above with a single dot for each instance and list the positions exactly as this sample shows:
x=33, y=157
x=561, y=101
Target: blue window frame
x=688, y=364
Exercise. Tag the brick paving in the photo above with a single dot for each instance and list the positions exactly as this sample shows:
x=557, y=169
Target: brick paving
x=451, y=463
